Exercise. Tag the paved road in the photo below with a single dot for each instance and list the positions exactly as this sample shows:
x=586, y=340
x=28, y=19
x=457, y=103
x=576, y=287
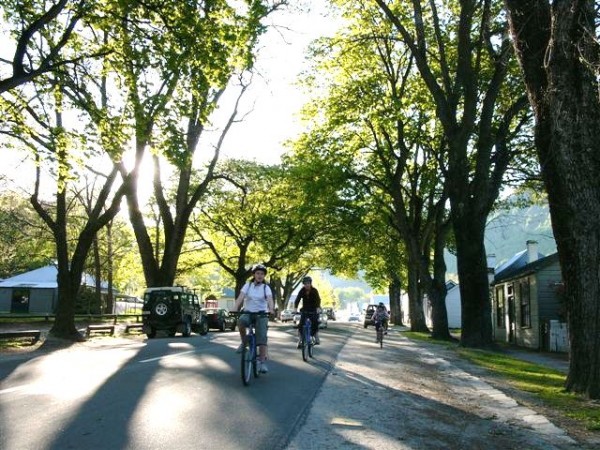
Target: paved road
x=181, y=393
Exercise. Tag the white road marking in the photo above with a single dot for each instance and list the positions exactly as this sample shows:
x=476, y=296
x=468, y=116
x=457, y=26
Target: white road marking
x=166, y=356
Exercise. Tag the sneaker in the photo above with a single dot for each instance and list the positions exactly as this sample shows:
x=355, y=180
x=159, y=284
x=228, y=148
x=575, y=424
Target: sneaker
x=262, y=367
x=299, y=344
x=385, y=332
x=317, y=340
x=240, y=349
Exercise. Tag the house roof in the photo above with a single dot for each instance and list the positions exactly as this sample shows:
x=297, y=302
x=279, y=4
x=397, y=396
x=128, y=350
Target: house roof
x=520, y=266
x=44, y=278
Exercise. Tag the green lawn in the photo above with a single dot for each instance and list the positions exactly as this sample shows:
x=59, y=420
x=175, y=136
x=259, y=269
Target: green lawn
x=547, y=384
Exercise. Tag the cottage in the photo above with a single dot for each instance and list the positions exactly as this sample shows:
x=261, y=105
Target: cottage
x=453, y=306
x=526, y=300
x=36, y=292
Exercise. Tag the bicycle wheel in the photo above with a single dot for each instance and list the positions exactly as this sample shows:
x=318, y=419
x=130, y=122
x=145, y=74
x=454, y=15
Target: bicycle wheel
x=380, y=338
x=246, y=365
x=311, y=346
x=254, y=358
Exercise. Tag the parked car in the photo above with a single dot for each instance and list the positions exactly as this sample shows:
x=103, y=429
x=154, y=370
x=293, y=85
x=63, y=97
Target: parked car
x=221, y=319
x=323, y=320
x=173, y=309
x=287, y=315
x=368, y=315
x=330, y=313
x=354, y=317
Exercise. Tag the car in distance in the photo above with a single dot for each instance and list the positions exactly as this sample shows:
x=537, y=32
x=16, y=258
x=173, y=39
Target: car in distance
x=354, y=317
x=369, y=315
x=323, y=320
x=330, y=313
x=173, y=309
x=287, y=315
x=221, y=319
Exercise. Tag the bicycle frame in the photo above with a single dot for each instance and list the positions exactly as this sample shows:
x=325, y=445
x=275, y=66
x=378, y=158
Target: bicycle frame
x=379, y=328
x=249, y=360
x=307, y=339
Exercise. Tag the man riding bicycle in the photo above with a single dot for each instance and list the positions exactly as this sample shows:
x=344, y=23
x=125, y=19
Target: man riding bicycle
x=256, y=296
x=380, y=317
x=311, y=306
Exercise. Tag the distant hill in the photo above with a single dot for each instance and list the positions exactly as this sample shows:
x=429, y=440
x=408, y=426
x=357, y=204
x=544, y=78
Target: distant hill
x=508, y=231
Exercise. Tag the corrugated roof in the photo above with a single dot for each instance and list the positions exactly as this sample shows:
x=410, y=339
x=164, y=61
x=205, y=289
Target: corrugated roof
x=517, y=270
x=44, y=278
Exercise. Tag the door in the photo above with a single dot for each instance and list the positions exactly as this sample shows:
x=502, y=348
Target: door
x=20, y=301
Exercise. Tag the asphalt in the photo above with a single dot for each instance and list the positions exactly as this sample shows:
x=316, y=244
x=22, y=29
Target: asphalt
x=390, y=398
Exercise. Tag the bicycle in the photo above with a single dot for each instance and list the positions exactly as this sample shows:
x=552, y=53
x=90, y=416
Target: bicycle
x=249, y=358
x=380, y=330
x=308, y=341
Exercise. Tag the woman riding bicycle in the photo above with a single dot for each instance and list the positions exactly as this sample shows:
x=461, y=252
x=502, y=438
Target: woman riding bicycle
x=380, y=317
x=256, y=296
x=311, y=305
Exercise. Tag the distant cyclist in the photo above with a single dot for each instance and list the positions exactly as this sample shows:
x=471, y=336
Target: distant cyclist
x=311, y=306
x=256, y=296
x=380, y=317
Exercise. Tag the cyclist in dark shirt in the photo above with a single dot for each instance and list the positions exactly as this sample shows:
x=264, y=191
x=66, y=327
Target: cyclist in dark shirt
x=311, y=305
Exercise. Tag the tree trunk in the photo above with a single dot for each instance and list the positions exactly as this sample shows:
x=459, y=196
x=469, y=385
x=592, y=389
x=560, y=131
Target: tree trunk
x=394, y=293
x=110, y=300
x=559, y=58
x=97, y=276
x=474, y=288
x=415, y=300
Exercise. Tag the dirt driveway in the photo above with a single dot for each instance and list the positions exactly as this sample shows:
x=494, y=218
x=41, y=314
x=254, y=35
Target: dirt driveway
x=415, y=395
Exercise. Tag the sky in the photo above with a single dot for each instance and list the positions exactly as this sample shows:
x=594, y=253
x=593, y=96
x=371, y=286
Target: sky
x=274, y=98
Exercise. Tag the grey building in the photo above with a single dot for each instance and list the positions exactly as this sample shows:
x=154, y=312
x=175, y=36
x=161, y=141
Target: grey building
x=526, y=296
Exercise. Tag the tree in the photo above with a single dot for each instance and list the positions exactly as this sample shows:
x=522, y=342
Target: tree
x=25, y=243
x=256, y=217
x=390, y=149
x=35, y=54
x=557, y=47
x=194, y=73
x=462, y=52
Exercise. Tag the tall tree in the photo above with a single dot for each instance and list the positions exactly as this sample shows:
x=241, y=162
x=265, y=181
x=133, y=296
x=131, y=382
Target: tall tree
x=462, y=52
x=256, y=218
x=557, y=47
x=195, y=73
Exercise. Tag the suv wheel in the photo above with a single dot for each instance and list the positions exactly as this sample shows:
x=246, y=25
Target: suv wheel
x=203, y=326
x=187, y=327
x=161, y=309
x=222, y=325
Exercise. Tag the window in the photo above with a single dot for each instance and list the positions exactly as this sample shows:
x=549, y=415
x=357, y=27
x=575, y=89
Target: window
x=525, y=303
x=500, y=316
x=20, y=301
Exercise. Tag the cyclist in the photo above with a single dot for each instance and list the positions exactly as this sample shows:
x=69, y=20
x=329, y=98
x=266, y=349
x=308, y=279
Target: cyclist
x=311, y=305
x=380, y=317
x=255, y=296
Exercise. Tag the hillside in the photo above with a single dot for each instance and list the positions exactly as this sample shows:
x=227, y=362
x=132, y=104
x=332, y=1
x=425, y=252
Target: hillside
x=508, y=231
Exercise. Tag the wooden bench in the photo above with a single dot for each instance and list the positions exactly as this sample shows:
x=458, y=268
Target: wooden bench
x=133, y=326
x=34, y=335
x=110, y=329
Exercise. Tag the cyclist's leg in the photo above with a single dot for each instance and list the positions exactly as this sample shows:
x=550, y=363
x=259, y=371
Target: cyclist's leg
x=261, y=337
x=315, y=327
x=243, y=322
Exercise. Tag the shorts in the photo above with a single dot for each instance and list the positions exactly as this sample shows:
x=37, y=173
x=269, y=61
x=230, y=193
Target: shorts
x=260, y=326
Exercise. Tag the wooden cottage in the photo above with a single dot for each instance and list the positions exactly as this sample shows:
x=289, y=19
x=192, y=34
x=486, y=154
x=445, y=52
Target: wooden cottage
x=527, y=306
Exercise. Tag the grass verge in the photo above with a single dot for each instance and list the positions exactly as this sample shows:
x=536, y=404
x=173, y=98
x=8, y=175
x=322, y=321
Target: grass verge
x=545, y=383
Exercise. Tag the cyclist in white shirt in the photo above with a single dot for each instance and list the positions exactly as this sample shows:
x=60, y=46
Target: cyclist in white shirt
x=256, y=296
